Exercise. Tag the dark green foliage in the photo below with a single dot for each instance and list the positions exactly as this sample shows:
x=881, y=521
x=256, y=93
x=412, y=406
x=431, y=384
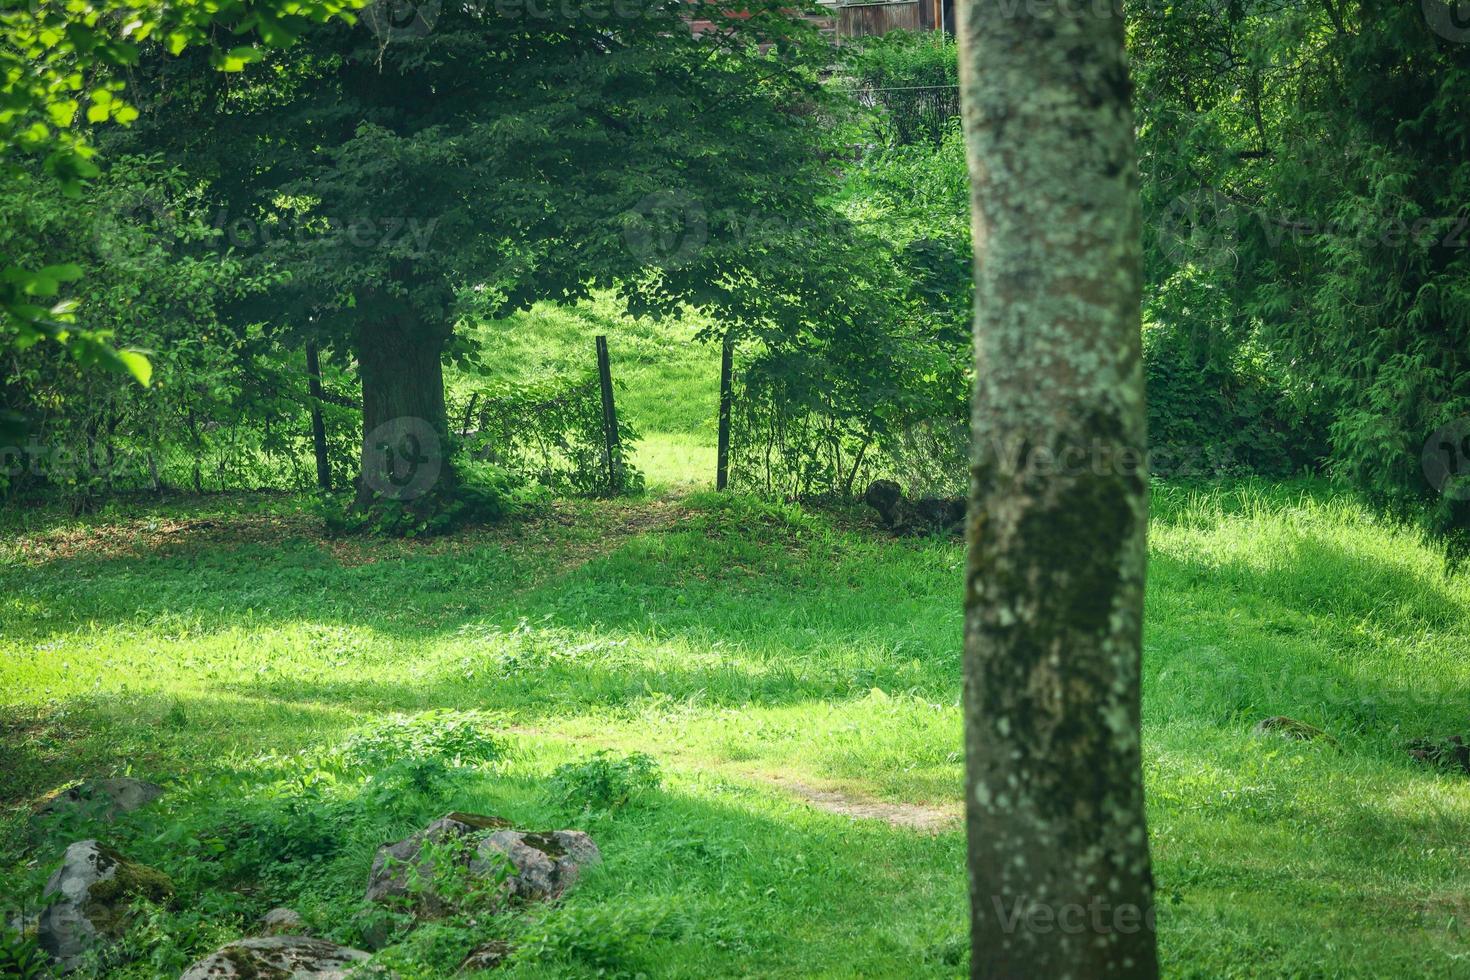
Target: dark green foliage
x=61, y=73
x=20, y=957
x=229, y=409
x=484, y=493
x=498, y=158
x=1216, y=419
x=1306, y=172
x=871, y=376
x=910, y=79
x=603, y=782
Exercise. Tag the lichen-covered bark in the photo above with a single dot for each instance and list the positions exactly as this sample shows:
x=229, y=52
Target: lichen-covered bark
x=1059, y=866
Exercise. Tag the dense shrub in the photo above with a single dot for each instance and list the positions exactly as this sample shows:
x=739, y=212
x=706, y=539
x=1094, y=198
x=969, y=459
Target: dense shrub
x=456, y=736
x=603, y=782
x=911, y=79
x=1207, y=419
x=1305, y=172
x=229, y=406
x=874, y=378
x=550, y=431
x=482, y=493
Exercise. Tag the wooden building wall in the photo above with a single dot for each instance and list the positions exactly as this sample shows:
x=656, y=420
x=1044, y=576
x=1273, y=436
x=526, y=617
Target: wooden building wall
x=861, y=20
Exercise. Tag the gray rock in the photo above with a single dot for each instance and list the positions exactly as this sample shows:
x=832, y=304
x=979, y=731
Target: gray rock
x=486, y=956
x=542, y=865
x=402, y=871
x=520, y=864
x=281, y=922
x=886, y=497
x=103, y=799
x=402, y=875
x=1290, y=728
x=278, y=958
x=927, y=515
x=95, y=886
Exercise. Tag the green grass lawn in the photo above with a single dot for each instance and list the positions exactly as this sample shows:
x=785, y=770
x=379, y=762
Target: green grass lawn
x=778, y=665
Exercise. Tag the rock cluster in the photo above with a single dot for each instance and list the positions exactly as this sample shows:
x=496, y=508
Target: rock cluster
x=88, y=901
x=511, y=864
x=927, y=515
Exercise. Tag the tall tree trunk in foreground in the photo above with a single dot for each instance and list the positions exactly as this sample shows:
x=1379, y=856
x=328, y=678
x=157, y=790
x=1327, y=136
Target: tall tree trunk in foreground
x=405, y=427
x=1060, y=884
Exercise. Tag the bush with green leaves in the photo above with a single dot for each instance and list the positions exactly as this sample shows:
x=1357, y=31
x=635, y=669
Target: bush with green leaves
x=21, y=957
x=1211, y=419
x=480, y=493
x=460, y=737
x=613, y=941
x=228, y=407
x=871, y=375
x=550, y=431
x=911, y=78
x=1305, y=171
x=603, y=781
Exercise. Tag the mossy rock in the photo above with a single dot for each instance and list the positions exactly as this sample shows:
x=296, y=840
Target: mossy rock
x=101, y=799
x=278, y=958
x=541, y=865
x=94, y=891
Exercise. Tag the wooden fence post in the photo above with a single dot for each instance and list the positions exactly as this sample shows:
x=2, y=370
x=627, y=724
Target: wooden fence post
x=318, y=427
x=722, y=452
x=614, y=449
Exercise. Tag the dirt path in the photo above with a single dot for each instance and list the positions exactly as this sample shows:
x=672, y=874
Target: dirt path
x=912, y=816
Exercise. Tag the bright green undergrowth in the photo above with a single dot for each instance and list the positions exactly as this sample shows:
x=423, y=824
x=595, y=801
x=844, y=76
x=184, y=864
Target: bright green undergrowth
x=744, y=648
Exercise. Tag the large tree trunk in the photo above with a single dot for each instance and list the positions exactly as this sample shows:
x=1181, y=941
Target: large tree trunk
x=405, y=427
x=1060, y=883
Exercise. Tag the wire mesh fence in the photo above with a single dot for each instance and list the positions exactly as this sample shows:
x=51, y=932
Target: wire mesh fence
x=913, y=113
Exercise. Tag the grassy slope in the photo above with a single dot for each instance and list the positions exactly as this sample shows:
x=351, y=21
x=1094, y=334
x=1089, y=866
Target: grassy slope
x=738, y=643
x=667, y=382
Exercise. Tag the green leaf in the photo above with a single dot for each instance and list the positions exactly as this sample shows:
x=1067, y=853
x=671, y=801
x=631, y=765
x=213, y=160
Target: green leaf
x=137, y=365
x=238, y=58
x=63, y=112
x=69, y=272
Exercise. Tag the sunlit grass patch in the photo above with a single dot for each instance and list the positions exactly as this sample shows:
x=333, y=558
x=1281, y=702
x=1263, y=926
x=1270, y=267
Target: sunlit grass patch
x=773, y=663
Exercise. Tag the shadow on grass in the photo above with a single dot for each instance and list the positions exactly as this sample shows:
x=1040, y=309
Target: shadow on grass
x=1347, y=641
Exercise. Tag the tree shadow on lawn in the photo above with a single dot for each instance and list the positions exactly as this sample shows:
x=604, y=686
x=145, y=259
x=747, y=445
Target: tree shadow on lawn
x=159, y=736
x=1361, y=648
x=778, y=636
x=698, y=630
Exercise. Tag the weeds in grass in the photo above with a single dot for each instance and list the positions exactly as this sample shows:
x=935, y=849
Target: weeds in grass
x=603, y=782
